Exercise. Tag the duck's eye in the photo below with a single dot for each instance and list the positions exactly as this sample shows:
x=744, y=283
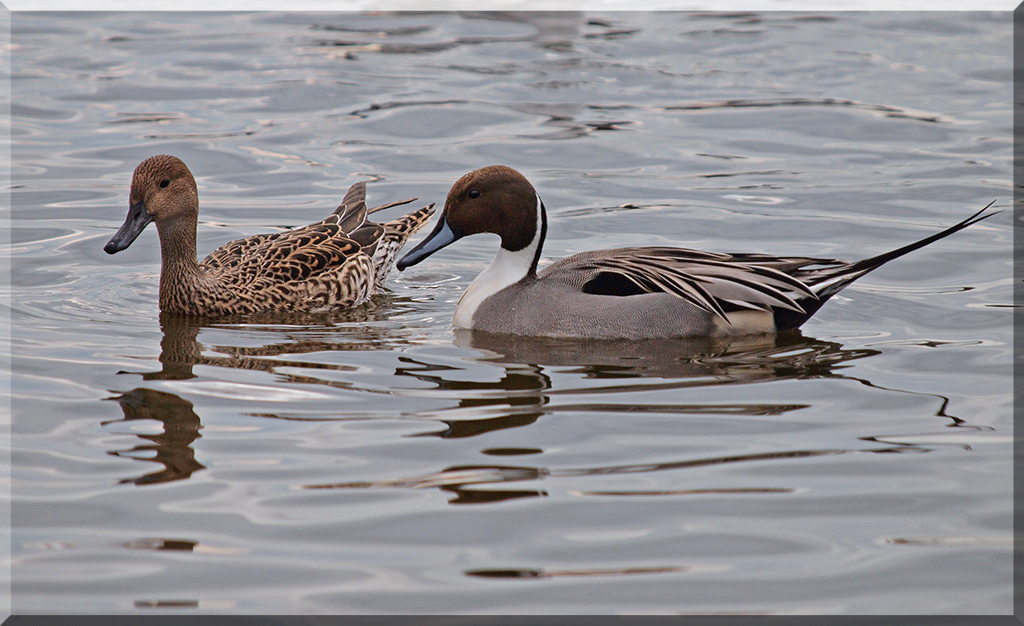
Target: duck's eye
x=474, y=193
x=165, y=182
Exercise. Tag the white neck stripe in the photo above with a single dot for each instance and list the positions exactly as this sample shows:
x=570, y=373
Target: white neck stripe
x=507, y=269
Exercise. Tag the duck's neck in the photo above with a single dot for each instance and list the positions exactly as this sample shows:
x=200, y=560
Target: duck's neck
x=507, y=269
x=180, y=274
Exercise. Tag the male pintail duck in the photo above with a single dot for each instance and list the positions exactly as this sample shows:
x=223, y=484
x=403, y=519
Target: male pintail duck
x=336, y=263
x=631, y=293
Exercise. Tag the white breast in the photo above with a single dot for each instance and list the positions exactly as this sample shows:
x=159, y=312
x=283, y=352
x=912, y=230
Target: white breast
x=507, y=268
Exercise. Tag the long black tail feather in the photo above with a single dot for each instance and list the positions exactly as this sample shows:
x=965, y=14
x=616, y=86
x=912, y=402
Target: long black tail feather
x=830, y=283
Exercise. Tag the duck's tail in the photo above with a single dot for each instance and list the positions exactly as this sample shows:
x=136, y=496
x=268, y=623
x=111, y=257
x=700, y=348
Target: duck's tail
x=352, y=211
x=827, y=282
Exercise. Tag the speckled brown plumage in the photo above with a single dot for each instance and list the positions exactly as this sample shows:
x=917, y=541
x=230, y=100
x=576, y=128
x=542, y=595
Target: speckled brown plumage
x=335, y=263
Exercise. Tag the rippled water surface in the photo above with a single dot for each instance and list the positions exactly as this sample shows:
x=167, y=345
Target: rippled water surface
x=376, y=461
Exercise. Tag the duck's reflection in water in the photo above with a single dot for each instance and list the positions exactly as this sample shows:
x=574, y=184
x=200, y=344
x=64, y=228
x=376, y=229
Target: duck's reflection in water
x=173, y=447
x=525, y=392
x=525, y=389
x=536, y=377
x=181, y=352
x=702, y=360
x=468, y=482
x=483, y=406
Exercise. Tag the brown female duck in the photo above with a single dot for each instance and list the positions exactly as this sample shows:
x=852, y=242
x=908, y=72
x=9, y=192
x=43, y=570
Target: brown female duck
x=335, y=263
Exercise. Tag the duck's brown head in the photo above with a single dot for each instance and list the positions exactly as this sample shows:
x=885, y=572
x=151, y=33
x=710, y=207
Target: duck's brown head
x=163, y=191
x=494, y=199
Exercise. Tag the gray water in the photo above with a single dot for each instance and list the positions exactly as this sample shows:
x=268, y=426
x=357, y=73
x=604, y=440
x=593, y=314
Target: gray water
x=375, y=461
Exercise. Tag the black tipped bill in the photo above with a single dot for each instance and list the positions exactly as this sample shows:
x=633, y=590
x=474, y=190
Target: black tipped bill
x=136, y=221
x=441, y=236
